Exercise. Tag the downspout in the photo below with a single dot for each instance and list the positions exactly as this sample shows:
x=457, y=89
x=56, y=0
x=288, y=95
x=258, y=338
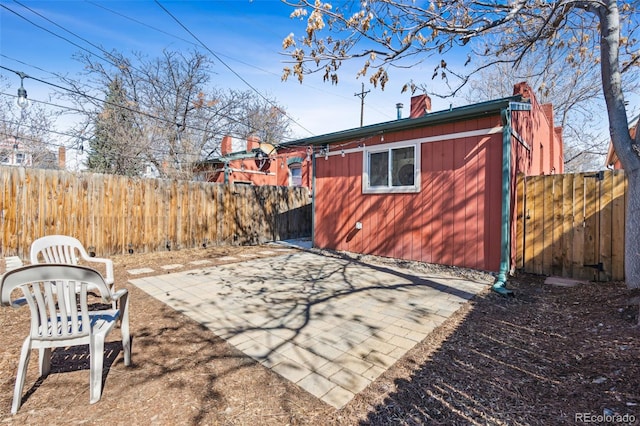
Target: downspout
x=505, y=241
x=313, y=199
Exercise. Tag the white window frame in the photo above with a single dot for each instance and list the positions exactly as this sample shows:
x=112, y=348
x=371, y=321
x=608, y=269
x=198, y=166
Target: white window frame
x=297, y=166
x=5, y=156
x=368, y=189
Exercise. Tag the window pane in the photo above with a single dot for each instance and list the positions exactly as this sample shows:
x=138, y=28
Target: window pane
x=402, y=166
x=296, y=175
x=379, y=169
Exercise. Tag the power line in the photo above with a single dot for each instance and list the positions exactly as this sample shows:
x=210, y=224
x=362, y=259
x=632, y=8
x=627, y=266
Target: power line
x=47, y=143
x=54, y=34
x=77, y=92
x=217, y=56
x=250, y=65
x=227, y=66
x=135, y=111
x=29, y=65
x=108, y=54
x=84, y=112
x=106, y=59
x=66, y=107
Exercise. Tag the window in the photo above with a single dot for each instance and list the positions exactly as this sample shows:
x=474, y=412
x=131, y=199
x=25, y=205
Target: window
x=4, y=156
x=295, y=174
x=394, y=169
x=19, y=157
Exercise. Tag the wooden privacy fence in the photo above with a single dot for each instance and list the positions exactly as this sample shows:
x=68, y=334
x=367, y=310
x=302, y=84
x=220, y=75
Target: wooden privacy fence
x=572, y=225
x=114, y=214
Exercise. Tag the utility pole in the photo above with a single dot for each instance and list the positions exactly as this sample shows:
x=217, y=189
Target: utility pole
x=361, y=95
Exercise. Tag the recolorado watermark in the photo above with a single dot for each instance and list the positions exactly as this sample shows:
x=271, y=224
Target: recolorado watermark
x=629, y=419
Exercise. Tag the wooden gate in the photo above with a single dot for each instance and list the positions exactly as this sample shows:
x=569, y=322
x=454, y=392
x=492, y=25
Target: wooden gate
x=572, y=225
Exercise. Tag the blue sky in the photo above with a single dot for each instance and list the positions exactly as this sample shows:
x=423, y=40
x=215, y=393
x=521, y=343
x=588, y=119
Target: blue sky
x=246, y=35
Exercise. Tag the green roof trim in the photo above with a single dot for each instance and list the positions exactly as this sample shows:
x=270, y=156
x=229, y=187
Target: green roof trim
x=431, y=119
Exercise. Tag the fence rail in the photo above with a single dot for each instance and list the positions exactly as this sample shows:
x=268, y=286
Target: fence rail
x=115, y=214
x=572, y=225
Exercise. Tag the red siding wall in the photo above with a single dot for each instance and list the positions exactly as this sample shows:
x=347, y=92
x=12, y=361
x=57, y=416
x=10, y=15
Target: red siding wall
x=456, y=217
x=536, y=129
x=453, y=220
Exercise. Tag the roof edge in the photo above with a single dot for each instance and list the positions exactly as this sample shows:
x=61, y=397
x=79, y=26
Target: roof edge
x=431, y=119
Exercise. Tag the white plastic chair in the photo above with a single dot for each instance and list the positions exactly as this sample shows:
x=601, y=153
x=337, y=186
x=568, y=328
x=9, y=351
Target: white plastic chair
x=63, y=249
x=60, y=317
x=11, y=262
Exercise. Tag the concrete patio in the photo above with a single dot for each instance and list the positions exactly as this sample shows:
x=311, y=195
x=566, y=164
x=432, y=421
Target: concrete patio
x=328, y=323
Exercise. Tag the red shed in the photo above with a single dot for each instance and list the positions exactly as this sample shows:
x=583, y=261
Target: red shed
x=436, y=187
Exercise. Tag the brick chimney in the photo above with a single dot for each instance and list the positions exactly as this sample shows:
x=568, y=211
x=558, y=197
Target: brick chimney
x=420, y=105
x=226, y=145
x=62, y=158
x=253, y=142
x=523, y=89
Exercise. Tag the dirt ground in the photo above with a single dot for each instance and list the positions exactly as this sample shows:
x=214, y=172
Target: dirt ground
x=549, y=355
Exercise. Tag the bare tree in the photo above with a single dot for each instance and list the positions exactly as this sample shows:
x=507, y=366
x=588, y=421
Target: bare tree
x=386, y=33
x=26, y=133
x=179, y=118
x=259, y=116
x=576, y=98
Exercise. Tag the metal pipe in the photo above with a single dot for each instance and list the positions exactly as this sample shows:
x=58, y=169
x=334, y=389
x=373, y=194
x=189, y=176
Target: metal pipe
x=505, y=241
x=313, y=199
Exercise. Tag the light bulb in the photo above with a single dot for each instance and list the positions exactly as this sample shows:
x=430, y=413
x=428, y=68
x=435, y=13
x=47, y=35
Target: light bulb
x=22, y=101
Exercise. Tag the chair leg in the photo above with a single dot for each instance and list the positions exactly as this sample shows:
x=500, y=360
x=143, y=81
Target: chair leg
x=44, y=355
x=124, y=329
x=96, y=354
x=114, y=303
x=25, y=354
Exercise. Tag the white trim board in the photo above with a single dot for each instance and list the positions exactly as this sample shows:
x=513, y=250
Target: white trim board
x=429, y=139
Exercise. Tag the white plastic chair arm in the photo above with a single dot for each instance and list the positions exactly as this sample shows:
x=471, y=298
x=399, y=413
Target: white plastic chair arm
x=114, y=297
x=118, y=294
x=108, y=279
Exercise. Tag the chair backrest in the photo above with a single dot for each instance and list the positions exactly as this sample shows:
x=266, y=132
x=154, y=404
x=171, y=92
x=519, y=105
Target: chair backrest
x=57, y=249
x=51, y=291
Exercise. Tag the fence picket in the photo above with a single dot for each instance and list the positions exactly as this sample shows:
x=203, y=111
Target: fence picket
x=580, y=218
x=111, y=214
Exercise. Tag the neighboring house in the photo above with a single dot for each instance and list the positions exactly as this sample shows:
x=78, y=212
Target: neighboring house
x=12, y=153
x=612, y=161
x=433, y=187
x=254, y=163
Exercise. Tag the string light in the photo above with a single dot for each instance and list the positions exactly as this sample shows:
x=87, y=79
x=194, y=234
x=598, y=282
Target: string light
x=22, y=101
